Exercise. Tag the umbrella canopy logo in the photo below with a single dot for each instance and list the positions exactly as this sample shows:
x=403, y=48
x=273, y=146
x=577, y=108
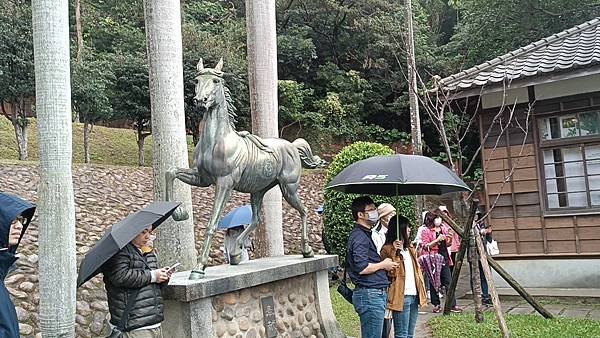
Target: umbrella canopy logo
x=375, y=177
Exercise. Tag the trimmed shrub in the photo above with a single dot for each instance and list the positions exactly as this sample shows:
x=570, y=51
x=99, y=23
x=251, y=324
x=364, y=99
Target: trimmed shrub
x=338, y=216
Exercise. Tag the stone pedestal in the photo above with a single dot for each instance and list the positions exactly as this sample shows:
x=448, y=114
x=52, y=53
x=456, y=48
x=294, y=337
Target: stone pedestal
x=286, y=296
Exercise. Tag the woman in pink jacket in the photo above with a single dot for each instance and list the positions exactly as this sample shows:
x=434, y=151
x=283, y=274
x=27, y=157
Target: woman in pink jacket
x=436, y=240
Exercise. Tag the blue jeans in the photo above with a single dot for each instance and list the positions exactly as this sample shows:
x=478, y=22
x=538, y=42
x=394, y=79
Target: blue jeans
x=406, y=320
x=370, y=306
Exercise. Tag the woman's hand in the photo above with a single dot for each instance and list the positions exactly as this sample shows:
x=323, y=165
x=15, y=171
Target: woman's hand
x=398, y=245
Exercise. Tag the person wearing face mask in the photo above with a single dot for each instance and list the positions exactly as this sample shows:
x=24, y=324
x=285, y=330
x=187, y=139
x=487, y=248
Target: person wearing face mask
x=133, y=285
x=15, y=216
x=385, y=212
x=367, y=270
x=436, y=240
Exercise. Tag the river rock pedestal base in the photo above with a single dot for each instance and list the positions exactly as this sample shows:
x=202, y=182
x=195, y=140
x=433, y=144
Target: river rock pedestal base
x=286, y=296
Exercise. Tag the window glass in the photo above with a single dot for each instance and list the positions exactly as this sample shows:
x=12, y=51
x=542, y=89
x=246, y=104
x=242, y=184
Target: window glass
x=589, y=123
x=568, y=126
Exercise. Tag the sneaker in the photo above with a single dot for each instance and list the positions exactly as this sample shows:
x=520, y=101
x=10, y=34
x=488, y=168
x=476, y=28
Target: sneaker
x=437, y=309
x=456, y=309
x=487, y=302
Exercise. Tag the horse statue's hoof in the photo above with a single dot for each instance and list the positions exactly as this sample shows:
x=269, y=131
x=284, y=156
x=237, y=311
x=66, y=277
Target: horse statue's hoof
x=195, y=275
x=180, y=214
x=308, y=253
x=235, y=259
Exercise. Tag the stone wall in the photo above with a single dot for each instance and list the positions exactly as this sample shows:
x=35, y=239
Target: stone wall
x=103, y=196
x=295, y=310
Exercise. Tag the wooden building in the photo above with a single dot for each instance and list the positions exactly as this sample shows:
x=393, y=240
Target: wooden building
x=546, y=215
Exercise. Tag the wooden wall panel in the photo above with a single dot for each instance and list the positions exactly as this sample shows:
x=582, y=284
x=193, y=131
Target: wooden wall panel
x=590, y=246
x=529, y=223
x=528, y=211
x=507, y=248
x=560, y=234
x=562, y=246
x=531, y=235
x=515, y=151
x=504, y=235
x=588, y=232
x=559, y=222
x=588, y=221
x=526, y=186
x=531, y=247
x=501, y=212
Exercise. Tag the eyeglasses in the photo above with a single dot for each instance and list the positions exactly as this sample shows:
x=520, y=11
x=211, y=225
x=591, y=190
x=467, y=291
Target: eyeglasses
x=20, y=219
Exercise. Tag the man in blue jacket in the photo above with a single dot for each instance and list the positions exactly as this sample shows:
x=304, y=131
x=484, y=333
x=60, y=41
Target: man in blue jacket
x=15, y=215
x=367, y=270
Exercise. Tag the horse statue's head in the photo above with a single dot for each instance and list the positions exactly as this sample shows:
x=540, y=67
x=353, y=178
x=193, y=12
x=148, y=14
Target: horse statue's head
x=209, y=87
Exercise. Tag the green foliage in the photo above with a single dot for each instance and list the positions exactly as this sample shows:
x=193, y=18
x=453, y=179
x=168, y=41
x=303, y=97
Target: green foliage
x=525, y=326
x=338, y=216
x=90, y=90
x=490, y=28
x=16, y=56
x=131, y=96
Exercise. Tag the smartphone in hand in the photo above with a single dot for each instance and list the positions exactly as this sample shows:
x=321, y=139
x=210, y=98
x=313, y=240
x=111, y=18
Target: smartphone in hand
x=172, y=268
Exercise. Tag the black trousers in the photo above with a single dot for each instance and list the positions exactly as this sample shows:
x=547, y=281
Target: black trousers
x=446, y=278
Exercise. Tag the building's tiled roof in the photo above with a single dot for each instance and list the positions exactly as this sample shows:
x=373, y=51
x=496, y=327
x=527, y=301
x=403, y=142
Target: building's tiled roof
x=570, y=49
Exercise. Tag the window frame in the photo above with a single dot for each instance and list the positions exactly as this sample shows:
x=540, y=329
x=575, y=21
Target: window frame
x=580, y=142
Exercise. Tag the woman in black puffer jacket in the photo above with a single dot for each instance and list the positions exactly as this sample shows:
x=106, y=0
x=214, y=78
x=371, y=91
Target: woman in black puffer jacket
x=127, y=271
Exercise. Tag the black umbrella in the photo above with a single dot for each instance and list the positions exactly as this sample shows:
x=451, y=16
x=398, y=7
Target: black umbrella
x=395, y=175
x=120, y=234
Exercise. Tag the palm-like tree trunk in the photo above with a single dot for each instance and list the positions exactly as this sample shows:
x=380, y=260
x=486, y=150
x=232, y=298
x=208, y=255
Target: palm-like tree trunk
x=262, y=76
x=175, y=242
x=56, y=208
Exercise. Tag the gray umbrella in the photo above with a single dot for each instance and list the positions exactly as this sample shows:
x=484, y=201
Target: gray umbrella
x=120, y=234
x=395, y=175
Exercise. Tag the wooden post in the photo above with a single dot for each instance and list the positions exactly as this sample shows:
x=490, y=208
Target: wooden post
x=475, y=280
x=492, y=288
x=464, y=244
x=506, y=276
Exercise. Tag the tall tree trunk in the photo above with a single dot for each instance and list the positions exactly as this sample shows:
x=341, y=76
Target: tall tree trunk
x=262, y=76
x=19, y=122
x=87, y=130
x=79, y=29
x=163, y=38
x=415, y=119
x=56, y=207
x=141, y=152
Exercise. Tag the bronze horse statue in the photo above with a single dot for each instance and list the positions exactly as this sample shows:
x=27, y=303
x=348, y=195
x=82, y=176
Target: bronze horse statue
x=239, y=161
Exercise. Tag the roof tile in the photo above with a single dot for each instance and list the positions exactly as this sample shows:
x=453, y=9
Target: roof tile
x=575, y=47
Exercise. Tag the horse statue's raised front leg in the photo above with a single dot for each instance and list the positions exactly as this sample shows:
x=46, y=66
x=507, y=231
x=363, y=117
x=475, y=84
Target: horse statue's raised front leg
x=223, y=190
x=290, y=193
x=186, y=175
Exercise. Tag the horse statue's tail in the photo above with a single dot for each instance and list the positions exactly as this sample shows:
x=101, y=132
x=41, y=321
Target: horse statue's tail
x=309, y=161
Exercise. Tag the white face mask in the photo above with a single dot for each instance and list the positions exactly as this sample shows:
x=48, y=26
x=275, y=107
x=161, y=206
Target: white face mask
x=437, y=221
x=373, y=216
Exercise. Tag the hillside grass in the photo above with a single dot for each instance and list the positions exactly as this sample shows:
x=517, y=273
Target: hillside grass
x=111, y=146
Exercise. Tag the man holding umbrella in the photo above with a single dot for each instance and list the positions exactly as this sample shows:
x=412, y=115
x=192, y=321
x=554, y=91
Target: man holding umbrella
x=132, y=278
x=15, y=215
x=367, y=270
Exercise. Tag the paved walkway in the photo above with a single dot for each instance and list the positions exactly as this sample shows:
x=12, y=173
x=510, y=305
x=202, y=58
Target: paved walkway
x=565, y=309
